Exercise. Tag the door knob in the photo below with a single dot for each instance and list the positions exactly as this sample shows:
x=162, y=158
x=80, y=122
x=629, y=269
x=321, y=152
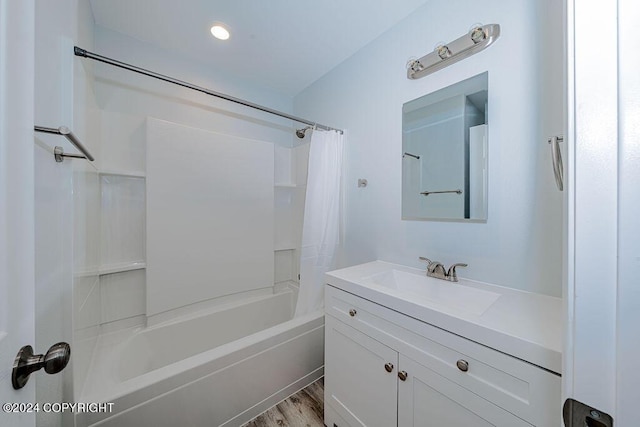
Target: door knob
x=26, y=363
x=403, y=375
x=388, y=367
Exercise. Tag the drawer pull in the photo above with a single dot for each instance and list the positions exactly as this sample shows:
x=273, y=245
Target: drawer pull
x=463, y=365
x=388, y=367
x=352, y=312
x=402, y=375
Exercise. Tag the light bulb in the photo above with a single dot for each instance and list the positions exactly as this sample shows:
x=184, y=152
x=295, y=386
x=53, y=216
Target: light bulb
x=478, y=34
x=414, y=64
x=443, y=52
x=220, y=32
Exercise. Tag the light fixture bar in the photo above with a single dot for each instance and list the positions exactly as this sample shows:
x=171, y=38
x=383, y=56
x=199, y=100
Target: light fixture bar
x=479, y=38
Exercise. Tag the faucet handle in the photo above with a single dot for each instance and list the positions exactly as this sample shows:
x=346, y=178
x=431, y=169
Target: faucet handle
x=433, y=265
x=451, y=274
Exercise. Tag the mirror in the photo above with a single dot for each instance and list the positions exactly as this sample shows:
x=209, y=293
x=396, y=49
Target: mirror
x=444, y=153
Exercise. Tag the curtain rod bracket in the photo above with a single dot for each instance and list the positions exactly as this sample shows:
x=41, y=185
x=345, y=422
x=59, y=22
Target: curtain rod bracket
x=79, y=51
x=59, y=154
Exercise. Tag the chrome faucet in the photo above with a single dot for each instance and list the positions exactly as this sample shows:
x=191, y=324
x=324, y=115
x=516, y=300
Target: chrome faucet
x=437, y=270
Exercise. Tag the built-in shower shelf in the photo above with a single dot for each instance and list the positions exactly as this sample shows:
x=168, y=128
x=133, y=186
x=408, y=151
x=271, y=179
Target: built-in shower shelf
x=288, y=185
x=121, y=267
x=130, y=174
x=88, y=272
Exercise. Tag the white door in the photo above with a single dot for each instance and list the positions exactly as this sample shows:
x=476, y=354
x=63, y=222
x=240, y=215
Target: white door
x=603, y=262
x=16, y=202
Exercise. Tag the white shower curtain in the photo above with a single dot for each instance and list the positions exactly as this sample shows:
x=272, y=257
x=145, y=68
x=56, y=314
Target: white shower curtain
x=320, y=231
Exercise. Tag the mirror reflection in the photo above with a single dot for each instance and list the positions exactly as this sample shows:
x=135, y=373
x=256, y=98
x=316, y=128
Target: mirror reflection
x=444, y=153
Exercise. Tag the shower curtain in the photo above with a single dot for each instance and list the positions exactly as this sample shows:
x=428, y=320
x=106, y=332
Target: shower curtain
x=320, y=230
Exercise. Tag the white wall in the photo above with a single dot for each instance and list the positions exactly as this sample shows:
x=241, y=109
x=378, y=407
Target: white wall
x=126, y=101
x=135, y=96
x=520, y=245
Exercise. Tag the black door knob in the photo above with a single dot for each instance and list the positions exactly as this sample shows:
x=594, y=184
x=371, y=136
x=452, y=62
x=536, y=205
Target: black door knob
x=26, y=363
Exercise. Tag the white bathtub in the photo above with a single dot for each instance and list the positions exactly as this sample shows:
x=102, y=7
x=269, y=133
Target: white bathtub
x=219, y=368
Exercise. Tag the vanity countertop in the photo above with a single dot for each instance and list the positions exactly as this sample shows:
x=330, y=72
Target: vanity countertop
x=522, y=324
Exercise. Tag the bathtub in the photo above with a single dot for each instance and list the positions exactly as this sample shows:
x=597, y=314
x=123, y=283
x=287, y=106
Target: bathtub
x=216, y=368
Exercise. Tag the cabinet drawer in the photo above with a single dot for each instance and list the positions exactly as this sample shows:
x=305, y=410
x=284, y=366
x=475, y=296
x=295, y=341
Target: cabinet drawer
x=523, y=389
x=427, y=399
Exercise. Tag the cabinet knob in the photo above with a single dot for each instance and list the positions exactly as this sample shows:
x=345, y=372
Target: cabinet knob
x=463, y=365
x=388, y=367
x=402, y=375
x=352, y=312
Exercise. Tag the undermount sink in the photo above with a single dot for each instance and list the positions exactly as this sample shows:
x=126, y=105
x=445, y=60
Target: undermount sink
x=449, y=294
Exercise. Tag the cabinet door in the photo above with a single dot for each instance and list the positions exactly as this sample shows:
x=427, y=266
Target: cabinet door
x=358, y=386
x=427, y=399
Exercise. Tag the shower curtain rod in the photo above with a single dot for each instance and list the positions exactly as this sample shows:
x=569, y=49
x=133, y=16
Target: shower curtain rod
x=86, y=54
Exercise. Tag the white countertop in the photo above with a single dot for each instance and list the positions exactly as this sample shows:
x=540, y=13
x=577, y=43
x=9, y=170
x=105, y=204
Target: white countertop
x=522, y=324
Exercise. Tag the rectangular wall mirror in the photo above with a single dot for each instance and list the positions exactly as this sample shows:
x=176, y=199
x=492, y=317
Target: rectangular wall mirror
x=444, y=153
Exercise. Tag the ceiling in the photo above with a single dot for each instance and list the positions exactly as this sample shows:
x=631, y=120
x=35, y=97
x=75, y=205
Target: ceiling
x=281, y=44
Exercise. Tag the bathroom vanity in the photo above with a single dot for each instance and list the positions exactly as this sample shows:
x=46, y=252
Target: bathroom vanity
x=403, y=349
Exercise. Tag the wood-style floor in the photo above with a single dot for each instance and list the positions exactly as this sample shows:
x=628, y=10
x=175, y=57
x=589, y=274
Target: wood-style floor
x=303, y=409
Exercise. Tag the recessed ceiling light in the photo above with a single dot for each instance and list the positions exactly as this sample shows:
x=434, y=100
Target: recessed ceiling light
x=220, y=32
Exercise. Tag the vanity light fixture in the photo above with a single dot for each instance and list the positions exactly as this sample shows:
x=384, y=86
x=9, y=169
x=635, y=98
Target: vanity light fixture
x=478, y=38
x=220, y=32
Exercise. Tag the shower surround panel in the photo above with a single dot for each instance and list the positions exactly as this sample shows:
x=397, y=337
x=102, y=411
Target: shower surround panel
x=210, y=215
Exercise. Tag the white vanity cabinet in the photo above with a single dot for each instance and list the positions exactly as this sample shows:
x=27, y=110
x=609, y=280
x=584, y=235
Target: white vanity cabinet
x=383, y=368
x=360, y=371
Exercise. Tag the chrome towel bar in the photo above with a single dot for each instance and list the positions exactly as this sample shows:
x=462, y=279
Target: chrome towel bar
x=411, y=155
x=426, y=193
x=58, y=152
